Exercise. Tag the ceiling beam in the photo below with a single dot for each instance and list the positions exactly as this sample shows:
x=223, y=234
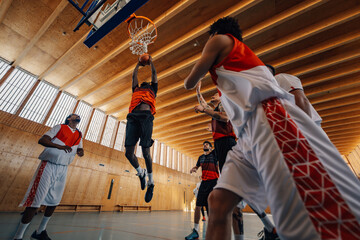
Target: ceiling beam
x=336, y=103
x=342, y=116
x=317, y=49
x=4, y=6
x=345, y=81
x=340, y=123
x=236, y=9
x=335, y=95
x=345, y=126
x=338, y=110
x=41, y=31
x=170, y=47
x=310, y=31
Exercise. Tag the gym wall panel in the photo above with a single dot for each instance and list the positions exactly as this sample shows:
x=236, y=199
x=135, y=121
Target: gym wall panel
x=87, y=178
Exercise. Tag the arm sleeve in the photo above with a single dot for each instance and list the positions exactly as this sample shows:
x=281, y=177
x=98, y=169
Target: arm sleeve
x=288, y=82
x=53, y=131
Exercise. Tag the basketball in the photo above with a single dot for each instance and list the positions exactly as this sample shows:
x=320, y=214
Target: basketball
x=144, y=59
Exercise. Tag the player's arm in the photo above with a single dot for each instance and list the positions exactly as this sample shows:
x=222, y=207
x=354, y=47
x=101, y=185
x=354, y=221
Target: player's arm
x=45, y=140
x=194, y=169
x=218, y=115
x=153, y=71
x=80, y=150
x=208, y=58
x=135, y=81
x=302, y=101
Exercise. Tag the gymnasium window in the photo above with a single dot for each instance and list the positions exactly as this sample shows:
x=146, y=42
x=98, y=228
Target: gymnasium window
x=179, y=155
x=39, y=103
x=173, y=165
x=120, y=137
x=162, y=151
x=63, y=108
x=95, y=126
x=155, y=153
x=84, y=111
x=15, y=88
x=108, y=132
x=4, y=67
x=168, y=157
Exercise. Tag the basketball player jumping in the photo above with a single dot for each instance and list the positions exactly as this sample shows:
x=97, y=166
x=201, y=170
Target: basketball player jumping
x=282, y=158
x=140, y=126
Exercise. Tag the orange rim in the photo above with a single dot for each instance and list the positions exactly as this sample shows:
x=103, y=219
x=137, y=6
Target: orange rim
x=132, y=17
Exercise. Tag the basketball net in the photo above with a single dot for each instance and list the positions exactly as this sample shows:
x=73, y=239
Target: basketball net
x=142, y=32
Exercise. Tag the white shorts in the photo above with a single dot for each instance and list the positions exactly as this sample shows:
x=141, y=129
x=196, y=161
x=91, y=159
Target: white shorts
x=47, y=186
x=317, y=199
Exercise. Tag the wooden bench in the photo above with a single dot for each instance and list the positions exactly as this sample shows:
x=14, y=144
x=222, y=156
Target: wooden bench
x=122, y=208
x=78, y=208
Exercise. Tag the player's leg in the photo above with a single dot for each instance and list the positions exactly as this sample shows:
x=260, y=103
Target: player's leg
x=221, y=204
x=203, y=213
x=132, y=135
x=238, y=223
x=36, y=193
x=52, y=199
x=146, y=122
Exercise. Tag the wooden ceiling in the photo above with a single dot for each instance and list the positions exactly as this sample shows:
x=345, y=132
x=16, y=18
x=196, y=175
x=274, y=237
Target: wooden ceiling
x=318, y=41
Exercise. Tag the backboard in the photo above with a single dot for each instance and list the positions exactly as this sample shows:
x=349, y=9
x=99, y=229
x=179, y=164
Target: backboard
x=105, y=18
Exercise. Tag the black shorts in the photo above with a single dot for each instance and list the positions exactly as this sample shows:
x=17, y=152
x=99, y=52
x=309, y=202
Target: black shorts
x=139, y=125
x=204, y=190
x=222, y=147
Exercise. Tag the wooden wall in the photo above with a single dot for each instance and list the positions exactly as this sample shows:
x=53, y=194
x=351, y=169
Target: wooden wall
x=87, y=181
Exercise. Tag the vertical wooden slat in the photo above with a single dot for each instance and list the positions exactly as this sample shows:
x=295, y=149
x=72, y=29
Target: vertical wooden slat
x=27, y=97
x=51, y=108
x=3, y=79
x=87, y=127
x=112, y=144
x=76, y=106
x=103, y=129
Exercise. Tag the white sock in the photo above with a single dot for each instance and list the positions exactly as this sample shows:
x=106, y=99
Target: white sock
x=267, y=223
x=43, y=224
x=150, y=176
x=239, y=237
x=21, y=230
x=196, y=226
x=139, y=171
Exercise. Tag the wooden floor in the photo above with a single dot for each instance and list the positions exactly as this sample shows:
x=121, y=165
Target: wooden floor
x=169, y=225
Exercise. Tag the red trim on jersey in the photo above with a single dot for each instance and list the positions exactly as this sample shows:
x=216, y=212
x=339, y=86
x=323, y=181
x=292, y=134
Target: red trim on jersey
x=68, y=137
x=240, y=58
x=32, y=193
x=328, y=211
x=209, y=174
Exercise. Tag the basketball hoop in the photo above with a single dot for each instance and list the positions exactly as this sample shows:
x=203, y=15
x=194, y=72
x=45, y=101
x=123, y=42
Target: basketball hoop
x=142, y=32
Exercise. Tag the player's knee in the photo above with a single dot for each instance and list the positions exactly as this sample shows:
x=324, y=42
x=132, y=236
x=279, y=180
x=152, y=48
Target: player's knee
x=217, y=204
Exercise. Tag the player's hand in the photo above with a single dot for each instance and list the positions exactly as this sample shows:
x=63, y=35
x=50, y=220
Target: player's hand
x=150, y=59
x=193, y=170
x=199, y=108
x=67, y=149
x=80, y=152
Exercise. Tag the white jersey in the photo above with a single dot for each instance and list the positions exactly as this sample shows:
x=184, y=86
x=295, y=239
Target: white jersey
x=58, y=156
x=289, y=83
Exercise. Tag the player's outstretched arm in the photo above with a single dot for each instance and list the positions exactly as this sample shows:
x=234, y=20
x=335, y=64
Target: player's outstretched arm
x=208, y=58
x=45, y=140
x=135, y=81
x=153, y=71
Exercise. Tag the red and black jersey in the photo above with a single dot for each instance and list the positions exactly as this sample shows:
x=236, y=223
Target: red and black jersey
x=221, y=129
x=209, y=166
x=144, y=94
